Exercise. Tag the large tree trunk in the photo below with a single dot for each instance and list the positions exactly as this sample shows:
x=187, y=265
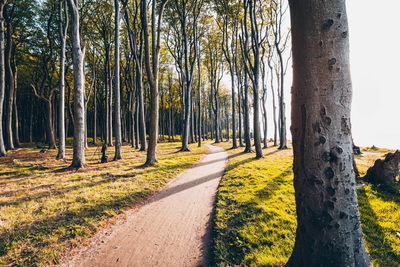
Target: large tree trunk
x=2, y=76
x=328, y=221
x=117, y=105
x=61, y=115
x=78, y=51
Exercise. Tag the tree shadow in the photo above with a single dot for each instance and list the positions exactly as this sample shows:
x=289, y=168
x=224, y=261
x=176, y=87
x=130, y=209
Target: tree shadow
x=379, y=249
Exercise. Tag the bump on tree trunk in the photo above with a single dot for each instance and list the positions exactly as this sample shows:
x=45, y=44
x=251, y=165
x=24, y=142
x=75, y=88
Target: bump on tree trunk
x=328, y=220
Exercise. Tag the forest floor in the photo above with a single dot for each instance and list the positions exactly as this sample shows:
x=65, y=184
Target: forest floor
x=172, y=229
x=46, y=210
x=255, y=219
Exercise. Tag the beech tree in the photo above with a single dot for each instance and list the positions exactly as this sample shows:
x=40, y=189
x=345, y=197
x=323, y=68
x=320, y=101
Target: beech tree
x=63, y=28
x=328, y=220
x=2, y=76
x=151, y=55
x=252, y=63
x=117, y=105
x=78, y=52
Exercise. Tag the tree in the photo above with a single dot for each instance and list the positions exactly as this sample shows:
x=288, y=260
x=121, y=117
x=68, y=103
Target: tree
x=252, y=63
x=61, y=115
x=2, y=76
x=328, y=221
x=117, y=105
x=78, y=52
x=230, y=16
x=277, y=12
x=152, y=70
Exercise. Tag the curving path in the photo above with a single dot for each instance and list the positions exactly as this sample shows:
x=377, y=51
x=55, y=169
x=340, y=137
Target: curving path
x=173, y=229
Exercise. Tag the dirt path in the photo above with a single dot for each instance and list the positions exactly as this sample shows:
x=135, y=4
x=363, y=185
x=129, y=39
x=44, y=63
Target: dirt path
x=173, y=229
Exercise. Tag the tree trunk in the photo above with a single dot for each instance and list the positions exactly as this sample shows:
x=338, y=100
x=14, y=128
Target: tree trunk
x=110, y=101
x=78, y=52
x=50, y=130
x=9, y=90
x=328, y=220
x=16, y=124
x=2, y=76
x=246, y=116
x=61, y=115
x=117, y=105
x=95, y=116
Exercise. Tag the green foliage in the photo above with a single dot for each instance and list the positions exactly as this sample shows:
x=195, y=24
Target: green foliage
x=46, y=210
x=255, y=219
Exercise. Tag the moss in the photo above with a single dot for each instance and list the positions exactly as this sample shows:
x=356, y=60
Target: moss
x=255, y=220
x=45, y=210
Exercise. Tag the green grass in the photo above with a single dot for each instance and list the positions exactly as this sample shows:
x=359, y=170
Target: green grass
x=46, y=210
x=255, y=220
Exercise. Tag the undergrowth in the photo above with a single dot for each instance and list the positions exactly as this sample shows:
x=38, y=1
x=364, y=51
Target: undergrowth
x=46, y=209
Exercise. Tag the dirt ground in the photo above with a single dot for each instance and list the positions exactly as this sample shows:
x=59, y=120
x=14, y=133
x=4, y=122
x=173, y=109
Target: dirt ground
x=172, y=229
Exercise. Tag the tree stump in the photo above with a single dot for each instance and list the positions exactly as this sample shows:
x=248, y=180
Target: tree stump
x=384, y=171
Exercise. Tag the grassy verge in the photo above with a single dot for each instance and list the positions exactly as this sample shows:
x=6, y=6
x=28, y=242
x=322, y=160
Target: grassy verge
x=45, y=210
x=255, y=220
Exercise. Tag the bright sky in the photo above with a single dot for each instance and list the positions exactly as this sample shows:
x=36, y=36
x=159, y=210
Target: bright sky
x=375, y=58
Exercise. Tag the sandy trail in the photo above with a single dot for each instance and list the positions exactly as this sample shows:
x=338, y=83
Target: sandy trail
x=173, y=229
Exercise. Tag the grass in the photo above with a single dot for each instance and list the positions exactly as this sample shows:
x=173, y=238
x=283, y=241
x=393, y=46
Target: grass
x=46, y=210
x=255, y=219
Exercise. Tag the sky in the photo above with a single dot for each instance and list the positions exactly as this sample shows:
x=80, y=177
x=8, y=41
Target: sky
x=374, y=31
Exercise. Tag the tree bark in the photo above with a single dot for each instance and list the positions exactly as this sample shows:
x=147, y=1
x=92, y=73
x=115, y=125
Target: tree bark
x=246, y=115
x=63, y=28
x=78, y=51
x=9, y=89
x=117, y=105
x=16, y=124
x=328, y=220
x=2, y=76
x=152, y=69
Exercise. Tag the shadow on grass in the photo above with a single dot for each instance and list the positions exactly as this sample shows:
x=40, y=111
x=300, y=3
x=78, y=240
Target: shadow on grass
x=108, y=178
x=379, y=249
x=230, y=245
x=67, y=224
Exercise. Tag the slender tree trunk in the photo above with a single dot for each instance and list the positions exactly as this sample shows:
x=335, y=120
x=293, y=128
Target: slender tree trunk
x=9, y=90
x=265, y=120
x=110, y=105
x=61, y=117
x=142, y=121
x=78, y=52
x=16, y=124
x=246, y=116
x=50, y=130
x=117, y=105
x=152, y=69
x=2, y=76
x=328, y=220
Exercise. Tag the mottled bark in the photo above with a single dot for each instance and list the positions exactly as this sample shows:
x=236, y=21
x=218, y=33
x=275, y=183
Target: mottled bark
x=78, y=51
x=328, y=220
x=9, y=90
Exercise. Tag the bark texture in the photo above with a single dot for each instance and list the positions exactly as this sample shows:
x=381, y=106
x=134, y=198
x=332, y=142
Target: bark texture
x=78, y=51
x=2, y=76
x=328, y=230
x=117, y=105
